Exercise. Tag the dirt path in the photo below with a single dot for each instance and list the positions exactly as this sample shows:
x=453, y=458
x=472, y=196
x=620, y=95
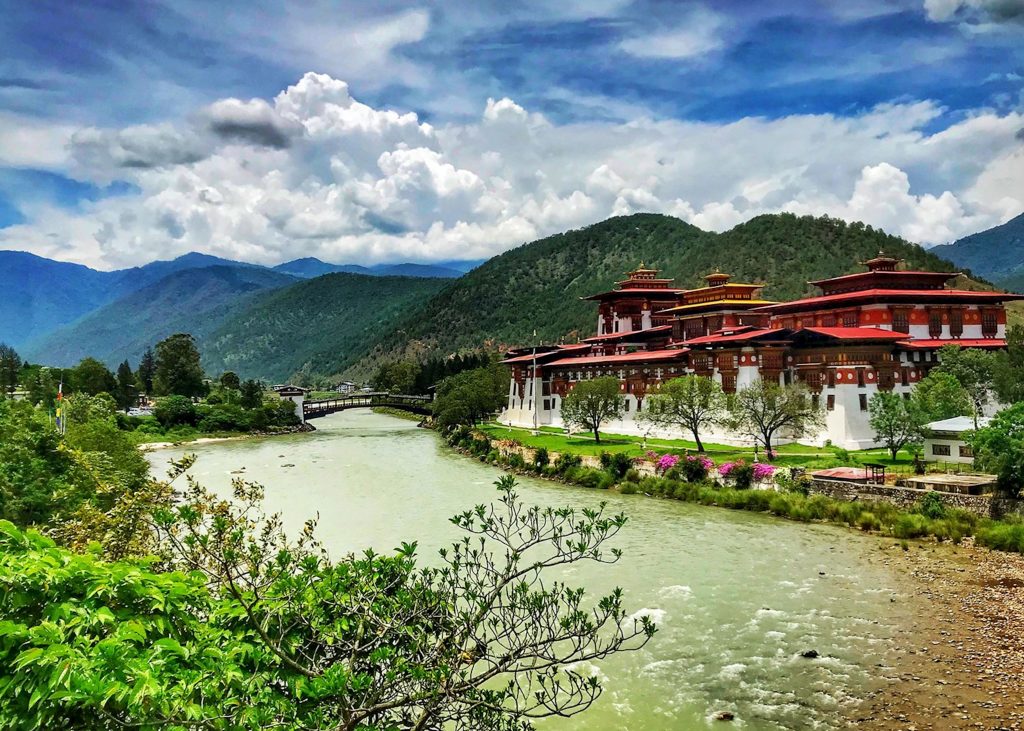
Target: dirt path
x=962, y=660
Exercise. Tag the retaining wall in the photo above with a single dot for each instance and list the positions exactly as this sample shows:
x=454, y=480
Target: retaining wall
x=908, y=497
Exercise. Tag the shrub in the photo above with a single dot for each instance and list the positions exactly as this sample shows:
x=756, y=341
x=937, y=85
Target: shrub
x=629, y=487
x=566, y=461
x=616, y=464
x=541, y=458
x=739, y=473
x=931, y=506
x=696, y=468
x=516, y=461
x=632, y=475
x=666, y=462
x=762, y=471
x=1002, y=536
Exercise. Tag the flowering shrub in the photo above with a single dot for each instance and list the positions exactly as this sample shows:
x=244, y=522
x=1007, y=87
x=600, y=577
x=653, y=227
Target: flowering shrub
x=696, y=468
x=726, y=467
x=739, y=473
x=763, y=471
x=667, y=462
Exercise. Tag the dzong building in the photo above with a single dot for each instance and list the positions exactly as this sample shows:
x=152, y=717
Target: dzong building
x=878, y=329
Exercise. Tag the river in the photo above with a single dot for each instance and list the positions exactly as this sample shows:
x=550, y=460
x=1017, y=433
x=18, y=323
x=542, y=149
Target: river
x=737, y=596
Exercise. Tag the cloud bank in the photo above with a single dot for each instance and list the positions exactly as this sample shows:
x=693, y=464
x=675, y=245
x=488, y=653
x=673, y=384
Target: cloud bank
x=315, y=172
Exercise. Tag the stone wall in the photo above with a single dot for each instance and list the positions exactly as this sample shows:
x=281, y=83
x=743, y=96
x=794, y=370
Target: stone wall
x=908, y=497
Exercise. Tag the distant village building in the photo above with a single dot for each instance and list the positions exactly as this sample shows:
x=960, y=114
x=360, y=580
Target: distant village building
x=295, y=394
x=876, y=330
x=947, y=440
x=346, y=387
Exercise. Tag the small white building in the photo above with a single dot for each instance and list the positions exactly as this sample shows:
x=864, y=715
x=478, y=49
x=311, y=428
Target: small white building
x=346, y=387
x=947, y=439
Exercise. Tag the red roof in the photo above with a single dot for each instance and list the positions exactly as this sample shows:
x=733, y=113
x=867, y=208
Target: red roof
x=641, y=356
x=925, y=344
x=630, y=333
x=735, y=335
x=885, y=273
x=917, y=294
x=636, y=291
x=561, y=350
x=855, y=333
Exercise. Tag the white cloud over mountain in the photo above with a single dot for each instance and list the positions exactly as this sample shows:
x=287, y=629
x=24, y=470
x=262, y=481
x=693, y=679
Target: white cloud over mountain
x=315, y=172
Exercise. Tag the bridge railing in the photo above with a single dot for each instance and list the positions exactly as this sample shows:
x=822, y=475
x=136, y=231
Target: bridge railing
x=321, y=407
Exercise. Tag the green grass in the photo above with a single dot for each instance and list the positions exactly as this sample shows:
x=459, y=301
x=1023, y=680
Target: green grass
x=787, y=455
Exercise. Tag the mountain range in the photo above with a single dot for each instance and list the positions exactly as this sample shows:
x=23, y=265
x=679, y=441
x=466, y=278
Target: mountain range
x=996, y=254
x=306, y=317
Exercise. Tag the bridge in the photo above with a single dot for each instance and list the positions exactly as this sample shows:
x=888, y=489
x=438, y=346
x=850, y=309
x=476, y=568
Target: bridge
x=323, y=407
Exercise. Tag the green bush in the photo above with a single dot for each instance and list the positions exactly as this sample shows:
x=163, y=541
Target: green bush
x=567, y=461
x=541, y=458
x=931, y=506
x=629, y=487
x=1002, y=536
x=616, y=464
x=516, y=461
x=176, y=410
x=632, y=475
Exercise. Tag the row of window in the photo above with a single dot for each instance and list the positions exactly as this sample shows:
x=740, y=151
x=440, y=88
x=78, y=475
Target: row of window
x=943, y=450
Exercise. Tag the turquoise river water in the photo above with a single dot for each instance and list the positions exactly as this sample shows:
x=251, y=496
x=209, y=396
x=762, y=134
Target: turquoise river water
x=737, y=596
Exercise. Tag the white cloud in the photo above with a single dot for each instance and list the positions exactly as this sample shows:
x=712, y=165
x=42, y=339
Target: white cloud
x=980, y=15
x=700, y=32
x=315, y=172
x=31, y=143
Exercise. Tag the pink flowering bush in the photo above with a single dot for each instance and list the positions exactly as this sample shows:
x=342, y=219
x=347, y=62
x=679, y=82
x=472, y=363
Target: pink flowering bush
x=667, y=462
x=763, y=471
x=739, y=473
x=726, y=467
x=695, y=468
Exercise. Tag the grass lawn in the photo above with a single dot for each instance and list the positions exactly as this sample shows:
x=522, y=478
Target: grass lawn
x=787, y=455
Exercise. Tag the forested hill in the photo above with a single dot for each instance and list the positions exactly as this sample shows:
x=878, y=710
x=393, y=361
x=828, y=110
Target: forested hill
x=317, y=326
x=537, y=287
x=193, y=300
x=996, y=254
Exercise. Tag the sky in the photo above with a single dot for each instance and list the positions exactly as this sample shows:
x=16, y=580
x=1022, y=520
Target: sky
x=384, y=132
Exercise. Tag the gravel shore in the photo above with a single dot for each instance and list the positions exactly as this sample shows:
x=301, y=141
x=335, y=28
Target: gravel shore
x=961, y=661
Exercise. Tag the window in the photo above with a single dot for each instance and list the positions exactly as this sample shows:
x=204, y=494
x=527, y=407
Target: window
x=831, y=375
x=940, y=450
x=830, y=402
x=989, y=324
x=901, y=321
x=860, y=377
x=905, y=378
x=935, y=324
x=956, y=323
x=815, y=402
x=863, y=401
x=966, y=451
x=850, y=319
x=547, y=404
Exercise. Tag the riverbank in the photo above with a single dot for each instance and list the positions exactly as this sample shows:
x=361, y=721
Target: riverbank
x=961, y=662
x=153, y=446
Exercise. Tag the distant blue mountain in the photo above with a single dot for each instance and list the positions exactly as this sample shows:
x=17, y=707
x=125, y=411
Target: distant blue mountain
x=310, y=267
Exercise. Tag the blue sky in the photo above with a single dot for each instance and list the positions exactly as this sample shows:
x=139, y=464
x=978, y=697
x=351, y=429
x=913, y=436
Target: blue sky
x=592, y=68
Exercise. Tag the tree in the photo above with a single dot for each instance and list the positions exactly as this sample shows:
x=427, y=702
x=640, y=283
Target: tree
x=397, y=377
x=147, y=371
x=974, y=369
x=763, y=408
x=591, y=403
x=470, y=396
x=1008, y=381
x=92, y=377
x=176, y=411
x=125, y=392
x=178, y=371
x=940, y=396
x=10, y=367
x=252, y=394
x=230, y=379
x=999, y=449
x=255, y=631
x=895, y=424
x=690, y=403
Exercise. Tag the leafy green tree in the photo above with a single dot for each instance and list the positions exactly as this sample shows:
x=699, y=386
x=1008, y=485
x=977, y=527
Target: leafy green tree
x=397, y=377
x=974, y=369
x=592, y=403
x=939, y=396
x=124, y=394
x=999, y=449
x=255, y=631
x=252, y=394
x=690, y=403
x=230, y=379
x=178, y=372
x=10, y=366
x=147, y=372
x=1008, y=381
x=894, y=422
x=470, y=396
x=764, y=408
x=176, y=411
x=92, y=377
